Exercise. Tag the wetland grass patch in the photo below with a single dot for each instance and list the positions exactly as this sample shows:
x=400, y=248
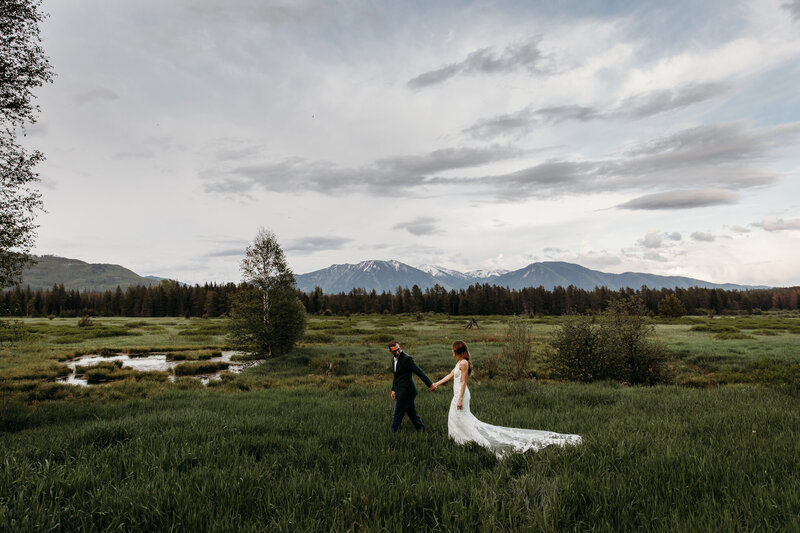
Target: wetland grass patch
x=732, y=335
x=108, y=371
x=200, y=367
x=299, y=460
x=293, y=444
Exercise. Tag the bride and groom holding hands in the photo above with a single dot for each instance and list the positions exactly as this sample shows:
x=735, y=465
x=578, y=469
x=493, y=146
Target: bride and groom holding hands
x=462, y=426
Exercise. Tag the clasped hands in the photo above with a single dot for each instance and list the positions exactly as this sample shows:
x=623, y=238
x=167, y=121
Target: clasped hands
x=431, y=388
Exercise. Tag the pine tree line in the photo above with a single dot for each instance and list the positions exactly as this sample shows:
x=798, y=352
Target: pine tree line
x=169, y=298
x=491, y=299
x=210, y=300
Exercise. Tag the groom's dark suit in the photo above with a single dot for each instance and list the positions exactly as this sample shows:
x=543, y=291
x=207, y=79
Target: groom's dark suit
x=405, y=391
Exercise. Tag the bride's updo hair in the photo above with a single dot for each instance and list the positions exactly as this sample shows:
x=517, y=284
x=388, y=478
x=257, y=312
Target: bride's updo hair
x=460, y=347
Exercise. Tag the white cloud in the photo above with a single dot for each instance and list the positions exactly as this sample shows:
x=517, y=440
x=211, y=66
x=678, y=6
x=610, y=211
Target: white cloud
x=213, y=117
x=653, y=239
x=776, y=223
x=703, y=236
x=682, y=199
x=419, y=226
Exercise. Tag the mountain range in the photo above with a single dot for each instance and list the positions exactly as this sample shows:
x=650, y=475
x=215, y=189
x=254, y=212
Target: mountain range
x=375, y=275
x=388, y=275
x=78, y=275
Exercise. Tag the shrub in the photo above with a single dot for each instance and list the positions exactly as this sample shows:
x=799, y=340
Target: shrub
x=580, y=353
x=85, y=322
x=617, y=345
x=518, y=350
x=11, y=331
x=491, y=367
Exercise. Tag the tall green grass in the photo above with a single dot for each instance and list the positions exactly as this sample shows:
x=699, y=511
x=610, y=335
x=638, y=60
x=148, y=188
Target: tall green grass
x=301, y=443
x=310, y=459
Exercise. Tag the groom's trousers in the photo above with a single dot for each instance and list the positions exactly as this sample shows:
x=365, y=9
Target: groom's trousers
x=405, y=406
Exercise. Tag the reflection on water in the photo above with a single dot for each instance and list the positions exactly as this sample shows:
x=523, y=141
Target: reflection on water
x=152, y=362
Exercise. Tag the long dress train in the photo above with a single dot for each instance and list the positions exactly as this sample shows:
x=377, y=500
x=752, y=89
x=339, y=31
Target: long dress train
x=463, y=427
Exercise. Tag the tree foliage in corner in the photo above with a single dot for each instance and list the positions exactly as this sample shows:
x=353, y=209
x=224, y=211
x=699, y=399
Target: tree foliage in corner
x=267, y=317
x=23, y=67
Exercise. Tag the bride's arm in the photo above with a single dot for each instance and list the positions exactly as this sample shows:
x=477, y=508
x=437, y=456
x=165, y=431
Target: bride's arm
x=445, y=379
x=464, y=370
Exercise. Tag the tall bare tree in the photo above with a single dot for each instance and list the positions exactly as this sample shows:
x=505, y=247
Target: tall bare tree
x=23, y=67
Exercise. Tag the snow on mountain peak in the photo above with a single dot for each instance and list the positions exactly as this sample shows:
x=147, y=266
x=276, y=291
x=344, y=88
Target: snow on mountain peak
x=487, y=273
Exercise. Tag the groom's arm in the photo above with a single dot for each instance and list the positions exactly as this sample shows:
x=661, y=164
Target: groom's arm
x=418, y=371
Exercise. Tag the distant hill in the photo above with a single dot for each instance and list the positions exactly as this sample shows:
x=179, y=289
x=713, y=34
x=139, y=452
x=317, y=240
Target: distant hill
x=388, y=275
x=550, y=274
x=52, y=270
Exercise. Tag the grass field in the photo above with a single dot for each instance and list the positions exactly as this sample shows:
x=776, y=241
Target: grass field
x=301, y=443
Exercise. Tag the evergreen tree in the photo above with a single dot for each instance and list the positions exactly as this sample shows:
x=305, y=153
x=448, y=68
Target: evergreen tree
x=671, y=306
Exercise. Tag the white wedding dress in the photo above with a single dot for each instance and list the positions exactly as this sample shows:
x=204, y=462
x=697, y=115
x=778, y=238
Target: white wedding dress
x=463, y=427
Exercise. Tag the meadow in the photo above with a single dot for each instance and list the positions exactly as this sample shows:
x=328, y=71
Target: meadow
x=301, y=443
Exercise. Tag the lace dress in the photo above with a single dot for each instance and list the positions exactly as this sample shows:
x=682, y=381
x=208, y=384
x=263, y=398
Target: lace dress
x=463, y=427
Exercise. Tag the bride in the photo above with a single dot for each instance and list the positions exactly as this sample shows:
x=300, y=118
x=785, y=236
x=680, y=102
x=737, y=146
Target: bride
x=463, y=427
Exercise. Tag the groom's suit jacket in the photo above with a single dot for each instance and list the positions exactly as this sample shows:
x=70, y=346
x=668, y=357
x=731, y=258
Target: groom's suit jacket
x=403, y=385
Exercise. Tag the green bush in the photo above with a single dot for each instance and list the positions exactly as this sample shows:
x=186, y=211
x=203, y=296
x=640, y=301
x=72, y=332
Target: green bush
x=580, y=354
x=616, y=345
x=11, y=331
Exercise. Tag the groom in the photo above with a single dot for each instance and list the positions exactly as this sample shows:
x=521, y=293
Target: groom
x=403, y=389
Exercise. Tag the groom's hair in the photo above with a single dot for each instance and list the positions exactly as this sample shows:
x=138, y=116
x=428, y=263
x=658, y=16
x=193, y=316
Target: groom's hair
x=393, y=343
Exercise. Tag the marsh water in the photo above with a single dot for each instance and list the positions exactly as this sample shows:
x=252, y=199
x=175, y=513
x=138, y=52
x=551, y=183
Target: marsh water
x=149, y=363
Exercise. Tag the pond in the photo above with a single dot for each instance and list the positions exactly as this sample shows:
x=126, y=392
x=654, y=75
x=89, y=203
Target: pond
x=151, y=362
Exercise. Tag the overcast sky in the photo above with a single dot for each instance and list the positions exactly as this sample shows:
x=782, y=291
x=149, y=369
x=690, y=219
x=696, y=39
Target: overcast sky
x=657, y=136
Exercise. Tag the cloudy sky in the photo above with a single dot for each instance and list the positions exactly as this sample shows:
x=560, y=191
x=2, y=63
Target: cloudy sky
x=654, y=136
